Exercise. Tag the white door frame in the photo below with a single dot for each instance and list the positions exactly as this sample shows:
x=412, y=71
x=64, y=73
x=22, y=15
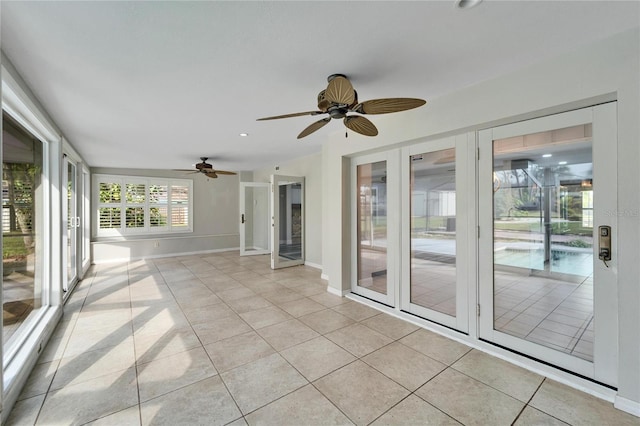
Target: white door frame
x=245, y=218
x=603, y=117
x=277, y=261
x=392, y=159
x=464, y=181
x=71, y=224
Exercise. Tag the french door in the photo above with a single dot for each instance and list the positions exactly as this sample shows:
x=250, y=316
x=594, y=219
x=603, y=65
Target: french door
x=375, y=226
x=435, y=230
x=71, y=218
x=287, y=227
x=547, y=190
x=255, y=220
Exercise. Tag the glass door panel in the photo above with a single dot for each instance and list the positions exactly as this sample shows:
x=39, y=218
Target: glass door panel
x=287, y=240
x=254, y=218
x=375, y=209
x=70, y=217
x=434, y=272
x=372, y=226
x=23, y=239
x=541, y=275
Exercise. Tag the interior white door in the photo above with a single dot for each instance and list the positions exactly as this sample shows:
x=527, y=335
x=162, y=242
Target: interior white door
x=546, y=186
x=255, y=220
x=375, y=227
x=435, y=230
x=287, y=227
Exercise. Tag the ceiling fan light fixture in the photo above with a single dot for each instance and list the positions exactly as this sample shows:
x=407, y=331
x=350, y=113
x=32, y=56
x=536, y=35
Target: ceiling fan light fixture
x=467, y=4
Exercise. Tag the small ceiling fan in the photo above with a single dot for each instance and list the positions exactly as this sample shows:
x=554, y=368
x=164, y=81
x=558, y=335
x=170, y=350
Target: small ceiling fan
x=206, y=169
x=339, y=99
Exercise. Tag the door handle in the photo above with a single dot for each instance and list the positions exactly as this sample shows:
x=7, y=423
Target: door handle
x=604, y=243
x=242, y=218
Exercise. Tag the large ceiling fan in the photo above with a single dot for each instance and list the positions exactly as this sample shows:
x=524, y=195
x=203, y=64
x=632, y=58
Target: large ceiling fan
x=207, y=169
x=339, y=99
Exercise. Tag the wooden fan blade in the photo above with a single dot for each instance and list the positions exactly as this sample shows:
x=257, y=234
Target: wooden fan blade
x=360, y=125
x=386, y=106
x=295, y=114
x=313, y=127
x=340, y=91
x=211, y=175
x=223, y=172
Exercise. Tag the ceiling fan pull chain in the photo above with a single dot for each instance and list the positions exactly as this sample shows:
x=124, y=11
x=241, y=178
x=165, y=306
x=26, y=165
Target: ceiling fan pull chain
x=346, y=134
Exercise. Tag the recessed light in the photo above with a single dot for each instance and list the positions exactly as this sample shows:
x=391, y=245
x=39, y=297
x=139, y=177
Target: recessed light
x=562, y=163
x=244, y=134
x=546, y=155
x=467, y=4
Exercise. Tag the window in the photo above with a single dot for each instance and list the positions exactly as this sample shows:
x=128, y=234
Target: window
x=139, y=205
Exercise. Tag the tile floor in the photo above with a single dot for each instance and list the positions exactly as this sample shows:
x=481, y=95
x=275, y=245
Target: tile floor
x=220, y=339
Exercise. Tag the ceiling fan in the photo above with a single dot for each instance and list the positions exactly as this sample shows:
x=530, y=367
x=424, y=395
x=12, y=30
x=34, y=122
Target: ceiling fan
x=207, y=169
x=339, y=99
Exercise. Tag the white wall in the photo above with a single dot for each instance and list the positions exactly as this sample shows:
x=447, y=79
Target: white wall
x=311, y=168
x=603, y=71
x=215, y=221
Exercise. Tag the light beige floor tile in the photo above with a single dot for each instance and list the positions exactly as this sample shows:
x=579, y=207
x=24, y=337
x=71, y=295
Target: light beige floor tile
x=154, y=346
x=435, y=346
x=82, y=341
x=413, y=371
x=413, y=411
x=286, y=334
x=208, y=314
x=501, y=375
x=317, y=357
x=532, y=417
x=265, y=317
x=212, y=331
x=238, y=350
x=247, y=304
x=306, y=406
x=575, y=407
x=127, y=417
x=206, y=402
x=281, y=295
x=158, y=318
x=375, y=393
x=469, y=401
x=300, y=307
x=392, y=327
x=25, y=412
x=235, y=293
x=329, y=300
x=356, y=311
x=326, y=321
x=170, y=373
x=39, y=379
x=311, y=289
x=219, y=284
x=358, y=339
x=206, y=299
x=261, y=382
x=89, y=365
x=90, y=400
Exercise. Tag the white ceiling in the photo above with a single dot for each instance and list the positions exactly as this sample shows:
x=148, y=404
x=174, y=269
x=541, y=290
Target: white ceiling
x=159, y=84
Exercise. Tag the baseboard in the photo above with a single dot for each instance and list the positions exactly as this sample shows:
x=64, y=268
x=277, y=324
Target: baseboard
x=159, y=256
x=313, y=265
x=627, y=405
x=337, y=292
x=324, y=276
